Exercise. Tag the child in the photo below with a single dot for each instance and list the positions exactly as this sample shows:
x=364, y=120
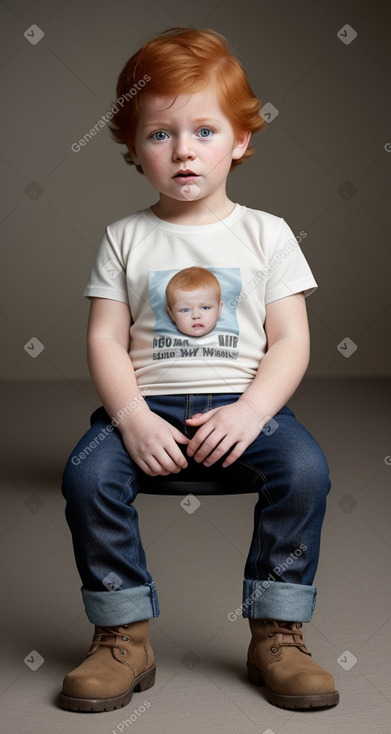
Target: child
x=194, y=301
x=186, y=127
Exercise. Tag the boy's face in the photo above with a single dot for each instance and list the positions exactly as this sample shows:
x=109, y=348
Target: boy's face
x=195, y=312
x=188, y=133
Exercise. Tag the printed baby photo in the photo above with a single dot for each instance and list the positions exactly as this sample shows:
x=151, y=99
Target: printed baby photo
x=194, y=315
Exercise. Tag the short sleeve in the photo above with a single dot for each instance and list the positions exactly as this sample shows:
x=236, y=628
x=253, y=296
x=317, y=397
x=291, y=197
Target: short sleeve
x=108, y=274
x=288, y=270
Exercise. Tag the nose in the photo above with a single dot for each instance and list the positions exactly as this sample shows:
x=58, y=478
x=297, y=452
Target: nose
x=183, y=149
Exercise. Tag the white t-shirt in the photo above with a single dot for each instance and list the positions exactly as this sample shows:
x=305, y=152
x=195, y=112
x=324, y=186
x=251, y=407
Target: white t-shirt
x=256, y=259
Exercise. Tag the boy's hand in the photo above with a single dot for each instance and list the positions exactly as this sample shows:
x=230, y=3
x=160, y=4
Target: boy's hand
x=153, y=445
x=233, y=426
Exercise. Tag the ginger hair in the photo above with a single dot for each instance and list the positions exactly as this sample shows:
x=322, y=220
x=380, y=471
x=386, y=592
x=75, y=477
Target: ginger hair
x=182, y=61
x=189, y=279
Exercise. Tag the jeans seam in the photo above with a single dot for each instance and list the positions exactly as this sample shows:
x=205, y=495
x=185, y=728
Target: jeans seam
x=263, y=480
x=134, y=539
x=155, y=607
x=186, y=415
x=254, y=468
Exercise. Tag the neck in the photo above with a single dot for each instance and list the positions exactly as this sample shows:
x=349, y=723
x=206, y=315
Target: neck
x=203, y=211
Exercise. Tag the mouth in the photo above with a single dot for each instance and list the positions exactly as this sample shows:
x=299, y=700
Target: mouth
x=185, y=176
x=185, y=172
x=198, y=326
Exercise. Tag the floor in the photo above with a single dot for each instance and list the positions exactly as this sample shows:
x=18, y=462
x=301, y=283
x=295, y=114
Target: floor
x=201, y=681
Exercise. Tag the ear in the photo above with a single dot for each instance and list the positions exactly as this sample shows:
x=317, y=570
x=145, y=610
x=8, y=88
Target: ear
x=135, y=158
x=241, y=144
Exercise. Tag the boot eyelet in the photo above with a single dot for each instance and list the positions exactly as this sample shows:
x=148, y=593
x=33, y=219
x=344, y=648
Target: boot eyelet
x=125, y=626
x=125, y=638
x=122, y=652
x=274, y=649
x=299, y=625
x=270, y=634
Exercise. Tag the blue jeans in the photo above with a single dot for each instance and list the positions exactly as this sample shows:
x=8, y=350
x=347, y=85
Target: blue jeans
x=101, y=482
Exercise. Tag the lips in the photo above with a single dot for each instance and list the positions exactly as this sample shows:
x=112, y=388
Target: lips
x=185, y=176
x=185, y=173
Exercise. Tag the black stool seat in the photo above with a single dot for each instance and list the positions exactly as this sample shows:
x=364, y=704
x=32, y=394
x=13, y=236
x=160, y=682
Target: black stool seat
x=199, y=480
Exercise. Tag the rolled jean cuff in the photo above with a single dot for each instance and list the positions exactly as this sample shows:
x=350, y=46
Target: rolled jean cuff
x=108, y=608
x=276, y=600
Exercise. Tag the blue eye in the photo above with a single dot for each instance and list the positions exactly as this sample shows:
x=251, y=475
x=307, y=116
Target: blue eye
x=205, y=132
x=159, y=135
x=185, y=310
x=205, y=308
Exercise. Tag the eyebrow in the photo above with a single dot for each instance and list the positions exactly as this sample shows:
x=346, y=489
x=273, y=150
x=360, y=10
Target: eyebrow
x=185, y=304
x=198, y=121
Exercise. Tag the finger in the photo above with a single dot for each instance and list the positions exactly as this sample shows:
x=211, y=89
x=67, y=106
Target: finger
x=233, y=455
x=180, y=461
x=220, y=450
x=165, y=460
x=178, y=436
x=198, y=440
x=160, y=469
x=151, y=467
x=208, y=447
x=172, y=464
x=199, y=418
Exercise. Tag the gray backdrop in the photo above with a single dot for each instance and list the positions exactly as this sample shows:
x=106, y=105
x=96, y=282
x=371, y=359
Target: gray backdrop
x=323, y=163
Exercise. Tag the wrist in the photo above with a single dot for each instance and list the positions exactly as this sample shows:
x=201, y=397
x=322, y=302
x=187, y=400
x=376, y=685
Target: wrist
x=128, y=414
x=258, y=410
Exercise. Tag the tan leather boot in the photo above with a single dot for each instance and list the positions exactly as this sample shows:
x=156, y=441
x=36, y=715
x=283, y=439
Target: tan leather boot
x=119, y=661
x=279, y=660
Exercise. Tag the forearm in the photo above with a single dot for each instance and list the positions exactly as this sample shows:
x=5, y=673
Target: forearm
x=150, y=440
x=114, y=379
x=279, y=374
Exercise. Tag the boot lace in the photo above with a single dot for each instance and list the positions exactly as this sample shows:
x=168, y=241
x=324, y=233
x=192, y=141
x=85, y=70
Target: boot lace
x=108, y=632
x=292, y=630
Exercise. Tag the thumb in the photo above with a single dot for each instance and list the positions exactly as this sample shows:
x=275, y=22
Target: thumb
x=199, y=418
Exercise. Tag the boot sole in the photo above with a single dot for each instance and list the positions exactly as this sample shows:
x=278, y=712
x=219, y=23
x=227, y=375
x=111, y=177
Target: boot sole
x=311, y=701
x=97, y=705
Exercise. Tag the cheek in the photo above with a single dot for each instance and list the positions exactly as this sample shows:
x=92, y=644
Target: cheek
x=151, y=161
x=220, y=161
x=151, y=164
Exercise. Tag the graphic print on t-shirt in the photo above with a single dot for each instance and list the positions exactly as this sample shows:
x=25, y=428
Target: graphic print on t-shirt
x=195, y=312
